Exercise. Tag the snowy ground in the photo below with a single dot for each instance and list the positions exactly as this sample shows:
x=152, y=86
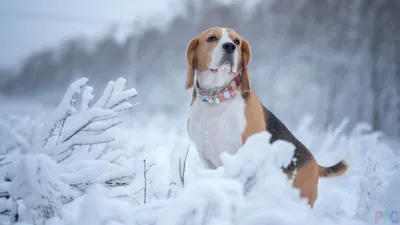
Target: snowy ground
x=136, y=178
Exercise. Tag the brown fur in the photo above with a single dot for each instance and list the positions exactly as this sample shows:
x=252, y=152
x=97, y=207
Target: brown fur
x=307, y=181
x=259, y=118
x=333, y=171
x=191, y=62
x=254, y=116
x=198, y=54
x=244, y=59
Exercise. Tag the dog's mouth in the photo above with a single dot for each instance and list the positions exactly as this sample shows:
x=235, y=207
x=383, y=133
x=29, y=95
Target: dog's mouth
x=225, y=65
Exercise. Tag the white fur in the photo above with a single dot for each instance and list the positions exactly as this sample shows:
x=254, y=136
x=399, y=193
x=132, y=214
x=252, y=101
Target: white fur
x=209, y=80
x=217, y=128
x=217, y=81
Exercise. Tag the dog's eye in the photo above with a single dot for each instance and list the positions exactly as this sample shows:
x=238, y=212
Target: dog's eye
x=237, y=41
x=211, y=39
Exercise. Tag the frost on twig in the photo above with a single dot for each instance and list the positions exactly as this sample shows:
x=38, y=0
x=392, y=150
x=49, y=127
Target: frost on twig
x=70, y=126
x=97, y=172
x=178, y=174
x=64, y=110
x=182, y=167
x=145, y=182
x=115, y=97
x=146, y=168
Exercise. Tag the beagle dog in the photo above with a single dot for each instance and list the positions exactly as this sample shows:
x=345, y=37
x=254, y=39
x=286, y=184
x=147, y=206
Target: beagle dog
x=225, y=111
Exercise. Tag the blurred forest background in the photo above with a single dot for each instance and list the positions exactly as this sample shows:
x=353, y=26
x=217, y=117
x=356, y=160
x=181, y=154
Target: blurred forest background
x=331, y=59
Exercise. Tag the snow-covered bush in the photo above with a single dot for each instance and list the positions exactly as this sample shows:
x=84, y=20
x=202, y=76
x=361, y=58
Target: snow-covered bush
x=249, y=189
x=373, y=168
x=64, y=153
x=37, y=185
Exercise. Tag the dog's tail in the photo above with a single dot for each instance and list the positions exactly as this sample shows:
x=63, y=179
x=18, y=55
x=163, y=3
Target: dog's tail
x=333, y=171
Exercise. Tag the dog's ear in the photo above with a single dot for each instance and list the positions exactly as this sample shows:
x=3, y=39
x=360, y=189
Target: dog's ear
x=190, y=58
x=246, y=57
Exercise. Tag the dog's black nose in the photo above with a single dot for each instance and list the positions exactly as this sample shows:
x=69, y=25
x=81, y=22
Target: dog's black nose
x=229, y=47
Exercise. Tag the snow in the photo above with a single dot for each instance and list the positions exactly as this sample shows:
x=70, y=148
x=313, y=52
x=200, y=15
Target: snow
x=147, y=171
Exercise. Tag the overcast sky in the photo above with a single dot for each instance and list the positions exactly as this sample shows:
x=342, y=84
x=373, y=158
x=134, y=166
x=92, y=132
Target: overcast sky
x=39, y=23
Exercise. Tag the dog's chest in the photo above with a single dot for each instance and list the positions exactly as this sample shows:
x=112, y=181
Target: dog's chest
x=217, y=128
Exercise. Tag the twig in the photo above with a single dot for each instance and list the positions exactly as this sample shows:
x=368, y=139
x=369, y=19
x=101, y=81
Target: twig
x=90, y=148
x=72, y=146
x=114, y=182
x=4, y=164
x=138, y=191
x=102, y=118
x=172, y=184
x=182, y=174
x=111, y=183
x=78, y=130
x=125, y=196
x=46, y=140
x=145, y=169
x=66, y=200
x=80, y=189
x=15, y=207
x=122, y=101
x=7, y=178
x=104, y=129
x=61, y=129
x=150, y=166
x=124, y=109
x=154, y=191
x=6, y=212
x=180, y=169
x=109, y=97
x=145, y=181
x=67, y=113
x=65, y=158
x=116, y=158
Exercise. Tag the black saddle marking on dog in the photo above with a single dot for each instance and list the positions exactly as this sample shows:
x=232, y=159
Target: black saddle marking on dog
x=280, y=132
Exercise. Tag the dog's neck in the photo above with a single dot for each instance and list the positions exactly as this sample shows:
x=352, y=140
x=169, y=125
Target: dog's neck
x=213, y=96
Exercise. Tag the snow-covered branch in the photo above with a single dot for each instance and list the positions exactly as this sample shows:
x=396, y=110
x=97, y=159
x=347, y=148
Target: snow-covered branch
x=46, y=175
x=70, y=126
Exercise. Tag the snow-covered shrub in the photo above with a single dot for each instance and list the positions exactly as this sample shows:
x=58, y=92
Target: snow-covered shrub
x=249, y=189
x=373, y=167
x=37, y=185
x=65, y=154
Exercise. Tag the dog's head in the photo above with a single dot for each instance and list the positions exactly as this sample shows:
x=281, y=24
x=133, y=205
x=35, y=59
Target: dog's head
x=217, y=55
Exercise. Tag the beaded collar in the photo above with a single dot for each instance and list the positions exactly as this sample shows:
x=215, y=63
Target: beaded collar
x=215, y=97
